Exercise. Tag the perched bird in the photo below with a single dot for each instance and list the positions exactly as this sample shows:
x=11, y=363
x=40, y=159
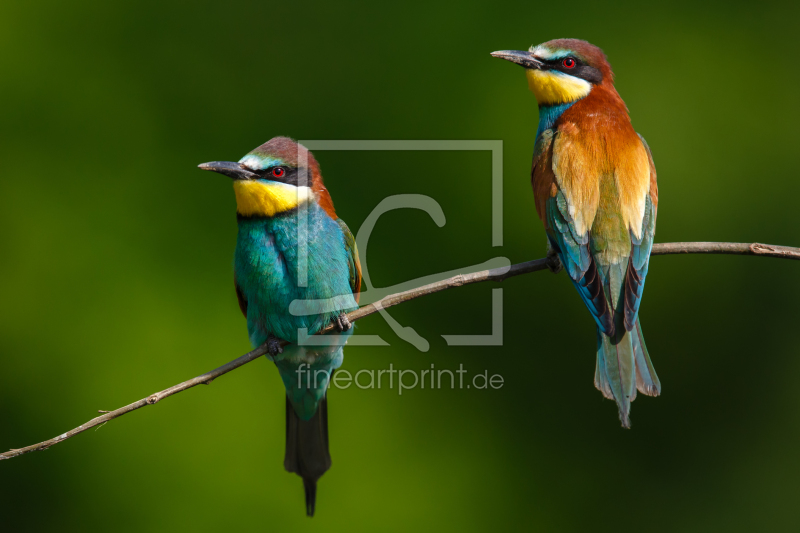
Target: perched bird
x=296, y=270
x=594, y=183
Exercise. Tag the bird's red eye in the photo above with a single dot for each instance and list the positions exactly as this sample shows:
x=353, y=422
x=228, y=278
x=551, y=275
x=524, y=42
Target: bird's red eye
x=278, y=172
x=568, y=63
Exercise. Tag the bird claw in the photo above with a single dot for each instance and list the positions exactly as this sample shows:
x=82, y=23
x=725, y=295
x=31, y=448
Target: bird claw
x=342, y=323
x=274, y=345
x=553, y=261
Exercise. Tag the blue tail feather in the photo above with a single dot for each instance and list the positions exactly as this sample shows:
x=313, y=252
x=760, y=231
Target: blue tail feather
x=646, y=378
x=623, y=367
x=616, y=372
x=615, y=358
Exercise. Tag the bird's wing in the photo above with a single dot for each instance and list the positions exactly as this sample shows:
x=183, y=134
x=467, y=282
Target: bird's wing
x=352, y=256
x=543, y=180
x=578, y=261
x=571, y=244
x=240, y=297
x=640, y=249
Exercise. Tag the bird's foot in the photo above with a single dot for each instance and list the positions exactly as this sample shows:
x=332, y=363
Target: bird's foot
x=274, y=345
x=342, y=323
x=553, y=261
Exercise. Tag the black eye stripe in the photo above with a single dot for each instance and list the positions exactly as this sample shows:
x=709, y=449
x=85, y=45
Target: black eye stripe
x=556, y=63
x=290, y=175
x=578, y=70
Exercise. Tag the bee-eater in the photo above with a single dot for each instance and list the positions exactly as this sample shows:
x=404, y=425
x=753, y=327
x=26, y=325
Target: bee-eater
x=291, y=247
x=594, y=184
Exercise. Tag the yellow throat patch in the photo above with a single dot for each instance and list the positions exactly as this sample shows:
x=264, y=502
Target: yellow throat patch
x=266, y=199
x=551, y=87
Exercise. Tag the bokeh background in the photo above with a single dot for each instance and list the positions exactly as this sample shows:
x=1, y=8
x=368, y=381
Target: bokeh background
x=116, y=266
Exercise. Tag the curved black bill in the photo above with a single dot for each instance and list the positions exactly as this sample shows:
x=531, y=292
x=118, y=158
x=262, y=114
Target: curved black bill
x=232, y=170
x=520, y=57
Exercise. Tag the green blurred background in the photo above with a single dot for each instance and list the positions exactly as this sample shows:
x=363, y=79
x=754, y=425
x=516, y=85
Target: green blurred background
x=116, y=267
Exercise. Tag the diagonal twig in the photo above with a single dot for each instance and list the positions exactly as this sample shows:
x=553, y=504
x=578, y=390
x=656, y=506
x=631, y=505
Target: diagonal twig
x=496, y=274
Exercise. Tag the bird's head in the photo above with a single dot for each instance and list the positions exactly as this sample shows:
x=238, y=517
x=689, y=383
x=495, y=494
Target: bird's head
x=562, y=70
x=277, y=177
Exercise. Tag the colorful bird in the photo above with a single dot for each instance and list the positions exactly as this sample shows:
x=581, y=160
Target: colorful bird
x=296, y=270
x=594, y=182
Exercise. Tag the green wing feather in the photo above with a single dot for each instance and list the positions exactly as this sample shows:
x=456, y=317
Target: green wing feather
x=352, y=253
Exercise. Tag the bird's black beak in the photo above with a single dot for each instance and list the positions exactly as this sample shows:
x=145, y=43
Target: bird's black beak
x=520, y=57
x=232, y=170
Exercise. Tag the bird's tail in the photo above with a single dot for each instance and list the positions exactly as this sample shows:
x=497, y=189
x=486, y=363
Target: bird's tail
x=307, y=452
x=623, y=366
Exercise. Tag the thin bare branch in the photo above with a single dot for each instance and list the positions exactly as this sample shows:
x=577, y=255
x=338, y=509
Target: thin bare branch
x=734, y=248
x=497, y=274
